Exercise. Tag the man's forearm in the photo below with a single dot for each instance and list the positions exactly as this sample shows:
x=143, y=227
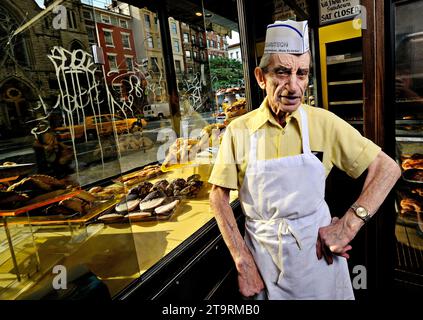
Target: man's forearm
x=219, y=202
x=382, y=175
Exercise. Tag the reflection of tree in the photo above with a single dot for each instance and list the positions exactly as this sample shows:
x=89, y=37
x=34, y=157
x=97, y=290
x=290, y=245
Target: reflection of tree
x=227, y=72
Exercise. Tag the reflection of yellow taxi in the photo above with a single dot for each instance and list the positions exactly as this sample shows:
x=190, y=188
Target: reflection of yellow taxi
x=105, y=123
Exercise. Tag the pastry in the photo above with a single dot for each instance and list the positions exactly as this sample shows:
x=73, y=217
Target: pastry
x=409, y=204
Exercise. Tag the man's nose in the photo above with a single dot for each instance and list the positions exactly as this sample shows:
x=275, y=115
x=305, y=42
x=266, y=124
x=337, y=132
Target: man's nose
x=292, y=84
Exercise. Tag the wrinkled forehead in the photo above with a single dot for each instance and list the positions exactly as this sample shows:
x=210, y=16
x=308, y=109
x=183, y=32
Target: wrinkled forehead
x=292, y=61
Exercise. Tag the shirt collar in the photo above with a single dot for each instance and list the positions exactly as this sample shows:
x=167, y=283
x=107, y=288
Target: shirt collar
x=264, y=115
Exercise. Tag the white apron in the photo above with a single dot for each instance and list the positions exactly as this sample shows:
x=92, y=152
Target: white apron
x=283, y=201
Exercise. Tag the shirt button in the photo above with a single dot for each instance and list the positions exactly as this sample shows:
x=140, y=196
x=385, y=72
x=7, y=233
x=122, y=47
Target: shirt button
x=283, y=132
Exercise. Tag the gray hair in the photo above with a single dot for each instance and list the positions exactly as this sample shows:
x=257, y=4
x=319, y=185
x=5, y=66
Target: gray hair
x=265, y=61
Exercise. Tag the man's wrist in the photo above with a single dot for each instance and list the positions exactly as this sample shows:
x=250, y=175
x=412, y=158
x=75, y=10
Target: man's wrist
x=353, y=222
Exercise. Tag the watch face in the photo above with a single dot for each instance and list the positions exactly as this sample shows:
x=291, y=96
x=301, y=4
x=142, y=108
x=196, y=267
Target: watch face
x=361, y=212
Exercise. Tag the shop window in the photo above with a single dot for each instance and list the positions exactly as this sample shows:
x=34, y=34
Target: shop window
x=92, y=110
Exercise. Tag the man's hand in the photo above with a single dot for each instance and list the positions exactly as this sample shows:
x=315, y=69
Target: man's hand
x=334, y=239
x=249, y=279
x=382, y=175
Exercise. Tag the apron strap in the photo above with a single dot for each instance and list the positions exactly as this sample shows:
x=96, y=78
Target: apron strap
x=304, y=129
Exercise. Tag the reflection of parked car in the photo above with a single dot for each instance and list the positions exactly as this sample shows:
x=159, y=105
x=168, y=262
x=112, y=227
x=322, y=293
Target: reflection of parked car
x=105, y=123
x=157, y=110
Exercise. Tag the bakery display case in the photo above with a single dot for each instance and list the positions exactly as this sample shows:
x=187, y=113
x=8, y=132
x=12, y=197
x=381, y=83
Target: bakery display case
x=409, y=141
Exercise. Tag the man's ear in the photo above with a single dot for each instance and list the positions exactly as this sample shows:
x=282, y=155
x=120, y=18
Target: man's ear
x=260, y=78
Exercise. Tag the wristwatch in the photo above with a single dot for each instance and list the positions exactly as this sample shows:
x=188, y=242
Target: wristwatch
x=361, y=212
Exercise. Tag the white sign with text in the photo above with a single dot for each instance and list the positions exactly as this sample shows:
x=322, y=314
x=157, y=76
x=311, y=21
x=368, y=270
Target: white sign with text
x=333, y=10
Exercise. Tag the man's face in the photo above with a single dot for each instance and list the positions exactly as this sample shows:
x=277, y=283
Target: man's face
x=285, y=81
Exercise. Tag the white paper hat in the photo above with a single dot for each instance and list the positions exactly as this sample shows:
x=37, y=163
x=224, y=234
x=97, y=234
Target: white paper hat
x=287, y=37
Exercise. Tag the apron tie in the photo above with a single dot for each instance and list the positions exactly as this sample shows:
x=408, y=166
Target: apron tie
x=283, y=229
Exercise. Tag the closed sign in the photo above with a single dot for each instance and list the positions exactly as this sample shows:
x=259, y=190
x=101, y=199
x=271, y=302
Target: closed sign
x=333, y=10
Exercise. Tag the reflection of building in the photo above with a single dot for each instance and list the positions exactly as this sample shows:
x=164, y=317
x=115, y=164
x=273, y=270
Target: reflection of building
x=234, y=51
x=115, y=37
x=25, y=69
x=194, y=46
x=177, y=47
x=148, y=48
x=216, y=45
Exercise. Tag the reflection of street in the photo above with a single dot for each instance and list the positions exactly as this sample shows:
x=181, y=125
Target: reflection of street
x=20, y=150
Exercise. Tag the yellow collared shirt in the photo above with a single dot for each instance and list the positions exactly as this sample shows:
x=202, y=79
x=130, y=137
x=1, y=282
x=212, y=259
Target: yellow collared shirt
x=342, y=145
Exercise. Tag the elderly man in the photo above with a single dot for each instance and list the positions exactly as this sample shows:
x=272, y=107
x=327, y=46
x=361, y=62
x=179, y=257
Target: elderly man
x=292, y=248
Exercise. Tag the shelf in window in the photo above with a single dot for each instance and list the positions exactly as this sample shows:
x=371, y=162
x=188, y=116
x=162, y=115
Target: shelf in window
x=416, y=100
x=336, y=83
x=409, y=139
x=347, y=60
x=351, y=102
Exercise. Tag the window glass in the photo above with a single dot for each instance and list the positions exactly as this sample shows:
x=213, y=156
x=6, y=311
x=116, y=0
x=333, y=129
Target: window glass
x=173, y=28
x=176, y=46
x=147, y=21
x=105, y=19
x=124, y=24
x=88, y=103
x=91, y=33
x=126, y=41
x=108, y=38
x=178, y=67
x=129, y=63
x=150, y=42
x=87, y=15
x=112, y=62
